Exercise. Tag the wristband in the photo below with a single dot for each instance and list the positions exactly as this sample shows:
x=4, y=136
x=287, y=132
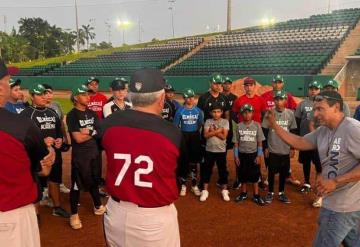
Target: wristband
x=236, y=152
x=260, y=151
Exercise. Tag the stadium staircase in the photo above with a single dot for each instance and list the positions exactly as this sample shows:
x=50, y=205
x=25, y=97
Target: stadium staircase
x=192, y=52
x=348, y=47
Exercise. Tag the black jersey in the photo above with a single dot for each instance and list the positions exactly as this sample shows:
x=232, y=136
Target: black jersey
x=112, y=107
x=207, y=100
x=46, y=119
x=77, y=120
x=231, y=99
x=168, y=112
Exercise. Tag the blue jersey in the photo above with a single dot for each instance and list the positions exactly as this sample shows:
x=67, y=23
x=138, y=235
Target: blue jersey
x=15, y=108
x=357, y=113
x=189, y=120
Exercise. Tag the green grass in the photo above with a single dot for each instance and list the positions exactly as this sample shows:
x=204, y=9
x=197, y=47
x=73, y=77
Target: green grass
x=65, y=103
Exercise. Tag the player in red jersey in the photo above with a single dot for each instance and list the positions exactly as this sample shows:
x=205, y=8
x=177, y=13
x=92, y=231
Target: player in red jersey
x=278, y=85
x=142, y=168
x=97, y=100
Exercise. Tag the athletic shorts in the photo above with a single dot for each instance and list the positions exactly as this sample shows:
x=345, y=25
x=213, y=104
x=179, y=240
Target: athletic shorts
x=248, y=171
x=84, y=171
x=310, y=156
x=55, y=175
x=193, y=145
x=277, y=162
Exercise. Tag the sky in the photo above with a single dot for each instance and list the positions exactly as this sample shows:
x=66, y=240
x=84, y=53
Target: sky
x=153, y=18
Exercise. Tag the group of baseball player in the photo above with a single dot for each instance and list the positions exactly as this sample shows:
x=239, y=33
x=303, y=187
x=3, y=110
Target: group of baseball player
x=150, y=161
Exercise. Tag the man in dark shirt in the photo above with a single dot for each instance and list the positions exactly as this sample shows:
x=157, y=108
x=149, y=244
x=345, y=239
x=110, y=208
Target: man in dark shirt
x=168, y=112
x=85, y=158
x=49, y=124
x=27, y=158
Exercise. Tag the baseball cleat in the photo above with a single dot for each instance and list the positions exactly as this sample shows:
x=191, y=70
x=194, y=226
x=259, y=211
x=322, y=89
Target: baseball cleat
x=241, y=197
x=195, y=189
x=283, y=198
x=258, y=200
x=225, y=195
x=100, y=210
x=204, y=195
x=75, y=222
x=306, y=188
x=269, y=197
x=59, y=211
x=183, y=190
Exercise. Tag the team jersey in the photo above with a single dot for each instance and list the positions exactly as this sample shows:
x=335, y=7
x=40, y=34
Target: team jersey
x=96, y=104
x=46, y=119
x=357, y=113
x=303, y=112
x=231, y=99
x=17, y=107
x=189, y=119
x=247, y=136
x=21, y=149
x=268, y=97
x=77, y=119
x=286, y=120
x=142, y=167
x=112, y=107
x=207, y=100
x=257, y=103
x=168, y=112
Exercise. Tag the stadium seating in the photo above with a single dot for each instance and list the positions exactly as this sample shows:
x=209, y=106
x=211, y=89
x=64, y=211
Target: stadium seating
x=38, y=70
x=297, y=47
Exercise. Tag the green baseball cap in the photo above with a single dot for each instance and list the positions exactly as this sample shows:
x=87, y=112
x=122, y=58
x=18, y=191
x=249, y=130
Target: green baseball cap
x=37, y=89
x=188, y=92
x=246, y=107
x=332, y=83
x=280, y=94
x=217, y=78
x=315, y=84
x=228, y=80
x=79, y=90
x=278, y=78
x=92, y=78
x=12, y=82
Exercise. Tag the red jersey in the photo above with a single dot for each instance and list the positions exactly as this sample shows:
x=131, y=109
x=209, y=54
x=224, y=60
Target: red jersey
x=268, y=97
x=144, y=154
x=257, y=103
x=21, y=149
x=96, y=104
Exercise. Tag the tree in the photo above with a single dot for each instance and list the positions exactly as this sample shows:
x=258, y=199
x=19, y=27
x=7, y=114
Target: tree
x=105, y=45
x=88, y=34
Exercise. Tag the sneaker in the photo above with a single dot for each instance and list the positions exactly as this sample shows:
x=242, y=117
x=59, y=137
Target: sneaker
x=258, y=200
x=269, y=197
x=64, y=189
x=225, y=195
x=183, y=190
x=59, y=211
x=306, y=188
x=47, y=202
x=283, y=198
x=317, y=202
x=195, y=189
x=204, y=195
x=100, y=210
x=102, y=192
x=241, y=197
x=293, y=181
x=75, y=222
x=236, y=185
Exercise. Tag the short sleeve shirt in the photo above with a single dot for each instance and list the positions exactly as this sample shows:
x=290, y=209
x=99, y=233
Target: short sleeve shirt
x=303, y=112
x=207, y=100
x=339, y=154
x=247, y=136
x=286, y=120
x=215, y=144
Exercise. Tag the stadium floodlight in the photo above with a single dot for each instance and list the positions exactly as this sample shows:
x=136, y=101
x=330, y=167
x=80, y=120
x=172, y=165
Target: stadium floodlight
x=124, y=25
x=268, y=21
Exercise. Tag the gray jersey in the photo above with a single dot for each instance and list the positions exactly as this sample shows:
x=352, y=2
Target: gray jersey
x=56, y=107
x=248, y=136
x=339, y=154
x=286, y=120
x=303, y=111
x=215, y=144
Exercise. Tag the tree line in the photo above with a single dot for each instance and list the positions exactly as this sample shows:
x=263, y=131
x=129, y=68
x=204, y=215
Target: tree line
x=36, y=39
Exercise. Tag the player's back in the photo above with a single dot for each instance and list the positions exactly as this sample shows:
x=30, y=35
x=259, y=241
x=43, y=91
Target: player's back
x=142, y=151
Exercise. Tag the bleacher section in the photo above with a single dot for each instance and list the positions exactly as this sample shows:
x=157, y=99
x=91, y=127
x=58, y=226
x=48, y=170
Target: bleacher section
x=298, y=47
x=124, y=63
x=38, y=70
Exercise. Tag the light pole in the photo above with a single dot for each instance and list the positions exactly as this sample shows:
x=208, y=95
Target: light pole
x=123, y=25
x=329, y=5
x=171, y=8
x=229, y=17
x=108, y=26
x=77, y=28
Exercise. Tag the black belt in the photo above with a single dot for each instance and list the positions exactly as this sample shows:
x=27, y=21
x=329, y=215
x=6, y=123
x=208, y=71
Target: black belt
x=118, y=200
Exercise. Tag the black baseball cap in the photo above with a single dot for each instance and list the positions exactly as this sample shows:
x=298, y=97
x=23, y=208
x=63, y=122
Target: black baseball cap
x=169, y=88
x=147, y=80
x=4, y=71
x=118, y=84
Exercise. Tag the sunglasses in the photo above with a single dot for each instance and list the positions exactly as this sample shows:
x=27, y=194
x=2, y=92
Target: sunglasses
x=319, y=98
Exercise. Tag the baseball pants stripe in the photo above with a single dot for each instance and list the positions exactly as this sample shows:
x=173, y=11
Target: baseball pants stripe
x=128, y=225
x=19, y=227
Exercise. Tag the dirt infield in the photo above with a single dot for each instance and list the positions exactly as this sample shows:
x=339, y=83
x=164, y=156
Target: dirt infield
x=213, y=223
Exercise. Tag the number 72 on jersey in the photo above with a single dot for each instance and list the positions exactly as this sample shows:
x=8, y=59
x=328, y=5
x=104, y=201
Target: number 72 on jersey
x=138, y=172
